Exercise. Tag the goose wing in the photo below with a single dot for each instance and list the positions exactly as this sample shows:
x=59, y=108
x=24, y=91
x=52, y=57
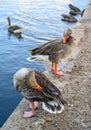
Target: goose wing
x=39, y=47
x=49, y=90
x=47, y=48
x=15, y=27
x=52, y=97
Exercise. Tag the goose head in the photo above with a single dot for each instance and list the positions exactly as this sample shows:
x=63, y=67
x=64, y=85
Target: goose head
x=24, y=77
x=67, y=34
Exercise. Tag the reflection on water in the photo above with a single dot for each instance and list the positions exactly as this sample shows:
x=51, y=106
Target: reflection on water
x=20, y=37
x=40, y=20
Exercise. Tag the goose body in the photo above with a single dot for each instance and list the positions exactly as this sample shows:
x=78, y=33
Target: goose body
x=55, y=50
x=14, y=28
x=74, y=10
x=35, y=86
x=68, y=18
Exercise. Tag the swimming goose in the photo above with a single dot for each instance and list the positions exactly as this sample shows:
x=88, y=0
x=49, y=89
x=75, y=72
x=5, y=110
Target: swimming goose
x=74, y=10
x=35, y=86
x=13, y=28
x=56, y=50
x=68, y=18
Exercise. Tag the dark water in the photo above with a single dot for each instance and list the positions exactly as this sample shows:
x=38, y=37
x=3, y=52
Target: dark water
x=40, y=20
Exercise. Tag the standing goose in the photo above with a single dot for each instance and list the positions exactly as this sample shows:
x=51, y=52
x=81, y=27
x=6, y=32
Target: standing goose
x=56, y=50
x=35, y=86
x=74, y=10
x=68, y=18
x=13, y=28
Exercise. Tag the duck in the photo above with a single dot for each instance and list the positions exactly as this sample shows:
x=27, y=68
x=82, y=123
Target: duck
x=34, y=86
x=14, y=29
x=74, y=10
x=56, y=50
x=68, y=18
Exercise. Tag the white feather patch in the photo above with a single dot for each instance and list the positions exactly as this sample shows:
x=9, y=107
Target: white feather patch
x=54, y=104
x=18, y=31
x=38, y=58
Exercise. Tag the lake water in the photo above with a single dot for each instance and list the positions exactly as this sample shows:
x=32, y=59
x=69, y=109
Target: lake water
x=40, y=20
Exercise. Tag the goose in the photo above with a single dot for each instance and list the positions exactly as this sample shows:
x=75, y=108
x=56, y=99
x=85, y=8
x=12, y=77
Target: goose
x=74, y=10
x=13, y=28
x=68, y=18
x=34, y=86
x=56, y=50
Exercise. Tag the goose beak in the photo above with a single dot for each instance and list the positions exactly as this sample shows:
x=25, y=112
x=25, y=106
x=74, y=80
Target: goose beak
x=65, y=39
x=37, y=87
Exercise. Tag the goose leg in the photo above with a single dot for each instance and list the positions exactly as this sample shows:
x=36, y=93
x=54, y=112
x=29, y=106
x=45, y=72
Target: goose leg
x=30, y=113
x=53, y=67
x=36, y=105
x=57, y=70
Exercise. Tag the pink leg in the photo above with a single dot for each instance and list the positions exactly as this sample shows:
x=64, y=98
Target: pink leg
x=53, y=67
x=36, y=105
x=30, y=113
x=57, y=71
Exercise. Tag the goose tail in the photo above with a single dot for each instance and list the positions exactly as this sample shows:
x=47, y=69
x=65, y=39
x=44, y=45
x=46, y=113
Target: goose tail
x=32, y=58
x=38, y=58
x=53, y=107
x=36, y=50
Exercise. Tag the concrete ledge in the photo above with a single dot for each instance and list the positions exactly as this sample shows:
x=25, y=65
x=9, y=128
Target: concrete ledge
x=16, y=121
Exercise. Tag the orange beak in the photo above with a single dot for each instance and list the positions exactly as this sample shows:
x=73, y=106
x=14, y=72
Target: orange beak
x=65, y=39
x=38, y=87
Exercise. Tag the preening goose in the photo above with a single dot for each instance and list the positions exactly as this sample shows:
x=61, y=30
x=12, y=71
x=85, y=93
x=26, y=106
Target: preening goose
x=35, y=86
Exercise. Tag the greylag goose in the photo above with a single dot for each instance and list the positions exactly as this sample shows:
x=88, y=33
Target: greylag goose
x=36, y=87
x=68, y=18
x=74, y=10
x=56, y=50
x=13, y=28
